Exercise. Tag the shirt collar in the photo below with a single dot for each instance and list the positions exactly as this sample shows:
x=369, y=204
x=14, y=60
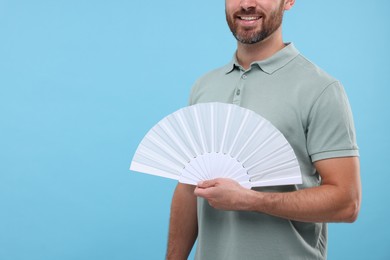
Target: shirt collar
x=271, y=64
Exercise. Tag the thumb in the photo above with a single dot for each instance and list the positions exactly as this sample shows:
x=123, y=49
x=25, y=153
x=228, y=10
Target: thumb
x=207, y=183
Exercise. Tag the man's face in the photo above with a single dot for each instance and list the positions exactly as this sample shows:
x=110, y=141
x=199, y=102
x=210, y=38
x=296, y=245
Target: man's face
x=252, y=21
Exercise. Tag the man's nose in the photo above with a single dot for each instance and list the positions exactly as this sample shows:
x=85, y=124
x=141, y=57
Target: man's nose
x=248, y=4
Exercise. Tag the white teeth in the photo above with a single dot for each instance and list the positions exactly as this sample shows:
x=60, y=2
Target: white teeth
x=249, y=18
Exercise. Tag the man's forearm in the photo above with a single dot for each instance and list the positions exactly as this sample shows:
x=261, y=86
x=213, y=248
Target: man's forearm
x=337, y=199
x=320, y=204
x=183, y=226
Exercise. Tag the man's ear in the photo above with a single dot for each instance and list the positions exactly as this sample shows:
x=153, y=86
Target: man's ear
x=288, y=4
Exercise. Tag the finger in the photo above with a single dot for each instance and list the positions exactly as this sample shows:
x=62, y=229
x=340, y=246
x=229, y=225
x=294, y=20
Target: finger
x=207, y=184
x=200, y=192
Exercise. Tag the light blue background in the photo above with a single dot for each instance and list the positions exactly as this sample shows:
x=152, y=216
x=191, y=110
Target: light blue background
x=81, y=82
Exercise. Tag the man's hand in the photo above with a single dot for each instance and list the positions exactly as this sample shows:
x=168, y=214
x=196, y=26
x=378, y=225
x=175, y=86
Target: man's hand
x=224, y=194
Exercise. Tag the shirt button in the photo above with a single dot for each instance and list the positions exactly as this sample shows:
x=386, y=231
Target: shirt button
x=244, y=76
x=238, y=92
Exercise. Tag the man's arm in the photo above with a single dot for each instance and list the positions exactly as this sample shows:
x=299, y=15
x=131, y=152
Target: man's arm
x=183, y=226
x=337, y=199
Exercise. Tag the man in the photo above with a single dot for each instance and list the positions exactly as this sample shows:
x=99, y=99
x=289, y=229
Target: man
x=310, y=108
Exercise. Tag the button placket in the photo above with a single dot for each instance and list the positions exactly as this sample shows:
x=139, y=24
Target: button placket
x=240, y=86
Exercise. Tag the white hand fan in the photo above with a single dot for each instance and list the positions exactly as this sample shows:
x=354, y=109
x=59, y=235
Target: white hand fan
x=212, y=140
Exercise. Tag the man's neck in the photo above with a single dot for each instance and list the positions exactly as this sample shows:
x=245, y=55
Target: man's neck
x=248, y=53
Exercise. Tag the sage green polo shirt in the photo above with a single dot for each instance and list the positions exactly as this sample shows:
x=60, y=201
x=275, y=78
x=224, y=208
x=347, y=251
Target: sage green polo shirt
x=311, y=109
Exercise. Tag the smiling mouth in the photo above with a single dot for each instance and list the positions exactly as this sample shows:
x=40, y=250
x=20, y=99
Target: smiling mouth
x=249, y=18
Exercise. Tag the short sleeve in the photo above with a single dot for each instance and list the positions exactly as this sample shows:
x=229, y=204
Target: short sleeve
x=191, y=99
x=331, y=131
